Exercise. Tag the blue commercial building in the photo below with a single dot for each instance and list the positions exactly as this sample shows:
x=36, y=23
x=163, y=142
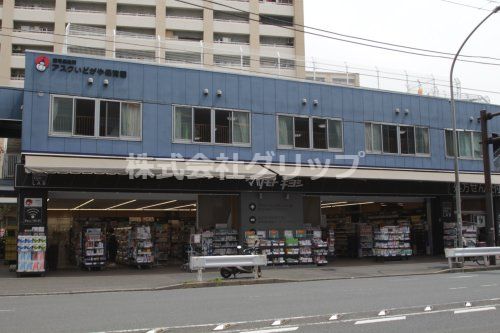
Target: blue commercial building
x=107, y=143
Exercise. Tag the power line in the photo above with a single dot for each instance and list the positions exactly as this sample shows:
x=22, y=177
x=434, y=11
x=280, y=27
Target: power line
x=338, y=34
x=247, y=69
x=465, y=5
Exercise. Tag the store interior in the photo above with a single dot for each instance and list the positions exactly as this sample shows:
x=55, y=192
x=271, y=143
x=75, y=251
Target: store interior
x=385, y=227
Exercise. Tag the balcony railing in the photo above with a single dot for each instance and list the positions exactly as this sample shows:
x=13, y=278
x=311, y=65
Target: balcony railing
x=9, y=162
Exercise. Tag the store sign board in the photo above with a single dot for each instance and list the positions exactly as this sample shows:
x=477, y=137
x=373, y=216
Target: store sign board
x=43, y=62
x=469, y=188
x=32, y=212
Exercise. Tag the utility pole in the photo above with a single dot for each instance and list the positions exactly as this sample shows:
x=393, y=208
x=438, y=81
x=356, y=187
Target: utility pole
x=485, y=142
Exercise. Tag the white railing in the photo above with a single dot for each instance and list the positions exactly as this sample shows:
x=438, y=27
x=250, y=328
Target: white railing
x=34, y=8
x=9, y=162
x=184, y=17
x=137, y=14
x=127, y=34
x=32, y=30
x=279, y=2
x=230, y=42
x=90, y=11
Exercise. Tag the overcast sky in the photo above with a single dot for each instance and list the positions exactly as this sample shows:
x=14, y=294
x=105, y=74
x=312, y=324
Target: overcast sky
x=429, y=24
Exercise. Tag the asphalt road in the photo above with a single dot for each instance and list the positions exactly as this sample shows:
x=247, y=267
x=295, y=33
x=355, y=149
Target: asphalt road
x=302, y=307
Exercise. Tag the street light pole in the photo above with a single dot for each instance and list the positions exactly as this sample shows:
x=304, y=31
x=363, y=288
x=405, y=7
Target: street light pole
x=458, y=199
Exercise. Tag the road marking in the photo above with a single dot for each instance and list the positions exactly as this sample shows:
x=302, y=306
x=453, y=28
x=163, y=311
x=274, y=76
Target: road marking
x=489, y=285
x=221, y=327
x=274, y=330
x=428, y=308
x=484, y=308
x=462, y=276
x=383, y=313
x=7, y=310
x=379, y=320
x=334, y=317
x=457, y=288
x=276, y=323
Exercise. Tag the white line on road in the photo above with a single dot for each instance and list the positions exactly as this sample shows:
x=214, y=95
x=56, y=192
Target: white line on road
x=462, y=276
x=379, y=320
x=479, y=309
x=7, y=310
x=274, y=330
x=276, y=323
x=489, y=285
x=456, y=288
x=221, y=327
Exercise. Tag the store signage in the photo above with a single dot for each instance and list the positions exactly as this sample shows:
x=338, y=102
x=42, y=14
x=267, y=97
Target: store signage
x=270, y=183
x=72, y=66
x=468, y=188
x=33, y=211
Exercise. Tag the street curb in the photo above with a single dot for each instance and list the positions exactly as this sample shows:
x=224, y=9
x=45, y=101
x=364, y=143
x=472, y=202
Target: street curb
x=244, y=282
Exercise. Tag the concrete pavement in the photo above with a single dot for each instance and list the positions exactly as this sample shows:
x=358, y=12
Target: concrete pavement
x=131, y=279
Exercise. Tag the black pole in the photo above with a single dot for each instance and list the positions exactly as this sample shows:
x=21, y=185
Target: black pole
x=490, y=226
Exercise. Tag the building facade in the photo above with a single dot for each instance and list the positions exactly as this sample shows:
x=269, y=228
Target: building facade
x=258, y=35
x=110, y=144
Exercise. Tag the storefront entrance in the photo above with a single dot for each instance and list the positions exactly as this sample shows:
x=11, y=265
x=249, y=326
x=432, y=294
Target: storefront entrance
x=382, y=227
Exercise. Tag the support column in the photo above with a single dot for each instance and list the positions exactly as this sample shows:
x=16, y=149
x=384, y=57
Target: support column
x=254, y=35
x=161, y=6
x=59, y=25
x=208, y=34
x=6, y=41
x=299, y=43
x=110, y=26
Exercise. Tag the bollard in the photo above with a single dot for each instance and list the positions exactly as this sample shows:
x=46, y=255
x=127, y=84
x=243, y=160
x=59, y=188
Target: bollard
x=200, y=275
x=256, y=272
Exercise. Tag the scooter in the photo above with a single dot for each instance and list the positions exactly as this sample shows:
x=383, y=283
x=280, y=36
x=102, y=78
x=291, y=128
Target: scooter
x=226, y=272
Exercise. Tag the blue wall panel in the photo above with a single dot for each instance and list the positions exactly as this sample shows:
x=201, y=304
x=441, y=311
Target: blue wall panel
x=158, y=87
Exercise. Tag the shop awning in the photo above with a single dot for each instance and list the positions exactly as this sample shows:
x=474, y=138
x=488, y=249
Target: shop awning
x=145, y=167
x=383, y=174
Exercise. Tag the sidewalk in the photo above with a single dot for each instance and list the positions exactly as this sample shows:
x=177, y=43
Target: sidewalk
x=131, y=279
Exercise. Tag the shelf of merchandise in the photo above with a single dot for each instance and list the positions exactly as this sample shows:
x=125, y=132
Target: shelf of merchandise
x=319, y=251
x=331, y=242
x=162, y=243
x=31, y=254
x=123, y=251
x=292, y=251
x=207, y=240
x=93, y=248
x=365, y=240
x=449, y=234
x=274, y=249
x=344, y=233
x=392, y=242
x=225, y=242
x=469, y=234
x=305, y=251
x=141, y=246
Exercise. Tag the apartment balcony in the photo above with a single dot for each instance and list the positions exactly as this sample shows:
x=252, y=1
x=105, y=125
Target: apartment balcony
x=273, y=30
x=32, y=37
x=271, y=50
x=232, y=26
x=135, y=41
x=136, y=20
x=33, y=14
x=278, y=7
x=231, y=48
x=90, y=41
x=17, y=60
x=184, y=23
x=86, y=17
x=182, y=45
x=178, y=4
x=239, y=4
x=8, y=164
x=135, y=2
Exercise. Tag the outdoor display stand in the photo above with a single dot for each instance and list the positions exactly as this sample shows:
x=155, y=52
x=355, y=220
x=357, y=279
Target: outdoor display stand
x=365, y=233
x=141, y=247
x=31, y=247
x=392, y=242
x=93, y=248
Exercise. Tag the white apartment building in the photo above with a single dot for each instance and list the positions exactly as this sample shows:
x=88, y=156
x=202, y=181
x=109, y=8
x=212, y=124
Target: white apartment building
x=256, y=35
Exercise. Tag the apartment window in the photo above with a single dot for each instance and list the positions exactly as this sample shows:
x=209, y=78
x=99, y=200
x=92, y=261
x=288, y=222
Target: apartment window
x=192, y=124
x=396, y=139
x=62, y=115
x=83, y=116
x=422, y=140
x=109, y=119
x=469, y=144
x=407, y=140
x=296, y=132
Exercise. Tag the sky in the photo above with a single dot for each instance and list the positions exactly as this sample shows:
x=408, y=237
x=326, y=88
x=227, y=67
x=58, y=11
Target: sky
x=429, y=24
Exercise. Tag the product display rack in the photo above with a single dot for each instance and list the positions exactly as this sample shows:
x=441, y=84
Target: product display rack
x=93, y=248
x=273, y=247
x=469, y=234
x=319, y=251
x=292, y=251
x=450, y=234
x=122, y=237
x=31, y=247
x=345, y=235
x=162, y=243
x=392, y=242
x=141, y=246
x=225, y=242
x=207, y=240
x=331, y=242
x=365, y=240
